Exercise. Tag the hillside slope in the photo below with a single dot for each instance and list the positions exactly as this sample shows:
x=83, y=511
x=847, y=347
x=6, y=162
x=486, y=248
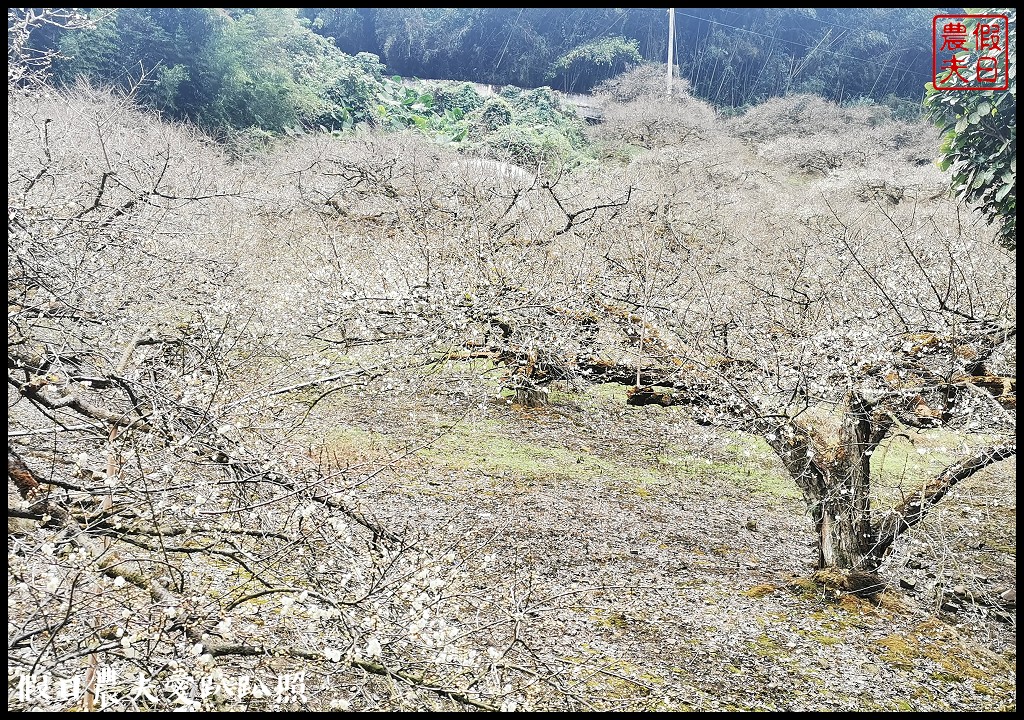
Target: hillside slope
x=344, y=419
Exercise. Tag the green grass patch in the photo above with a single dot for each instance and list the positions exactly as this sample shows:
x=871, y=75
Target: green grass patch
x=824, y=639
x=594, y=397
x=766, y=647
x=610, y=680
x=933, y=643
x=485, y=446
x=911, y=458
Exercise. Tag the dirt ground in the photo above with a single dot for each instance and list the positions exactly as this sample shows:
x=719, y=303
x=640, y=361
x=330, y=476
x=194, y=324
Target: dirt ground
x=655, y=564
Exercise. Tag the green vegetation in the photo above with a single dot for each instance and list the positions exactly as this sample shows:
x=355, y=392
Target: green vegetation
x=746, y=461
x=603, y=395
x=980, y=138
x=281, y=70
x=767, y=647
x=901, y=463
x=264, y=72
x=484, y=446
x=594, y=61
x=223, y=72
x=261, y=73
x=931, y=646
x=617, y=678
x=733, y=56
x=526, y=127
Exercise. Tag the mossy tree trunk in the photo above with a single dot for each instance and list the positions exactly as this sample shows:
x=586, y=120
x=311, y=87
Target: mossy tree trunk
x=842, y=509
x=835, y=479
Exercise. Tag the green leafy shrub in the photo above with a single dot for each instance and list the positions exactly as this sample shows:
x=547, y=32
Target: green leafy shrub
x=526, y=146
x=980, y=140
x=463, y=97
x=249, y=76
x=351, y=97
x=496, y=113
x=588, y=64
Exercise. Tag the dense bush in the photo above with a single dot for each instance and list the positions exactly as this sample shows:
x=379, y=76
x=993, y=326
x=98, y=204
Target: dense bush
x=462, y=96
x=585, y=65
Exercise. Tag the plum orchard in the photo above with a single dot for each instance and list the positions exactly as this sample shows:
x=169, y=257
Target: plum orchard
x=824, y=344
x=164, y=515
x=173, y=319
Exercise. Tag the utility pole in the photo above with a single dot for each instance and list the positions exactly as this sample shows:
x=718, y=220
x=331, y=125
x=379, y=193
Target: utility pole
x=671, y=43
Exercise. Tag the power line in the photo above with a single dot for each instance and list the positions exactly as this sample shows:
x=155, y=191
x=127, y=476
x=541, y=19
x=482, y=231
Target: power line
x=514, y=26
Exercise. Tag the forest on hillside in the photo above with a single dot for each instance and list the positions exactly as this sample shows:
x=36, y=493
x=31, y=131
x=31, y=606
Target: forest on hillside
x=335, y=390
x=732, y=57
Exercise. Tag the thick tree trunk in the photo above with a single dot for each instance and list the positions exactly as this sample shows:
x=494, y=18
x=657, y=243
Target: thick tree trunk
x=845, y=532
x=836, y=483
